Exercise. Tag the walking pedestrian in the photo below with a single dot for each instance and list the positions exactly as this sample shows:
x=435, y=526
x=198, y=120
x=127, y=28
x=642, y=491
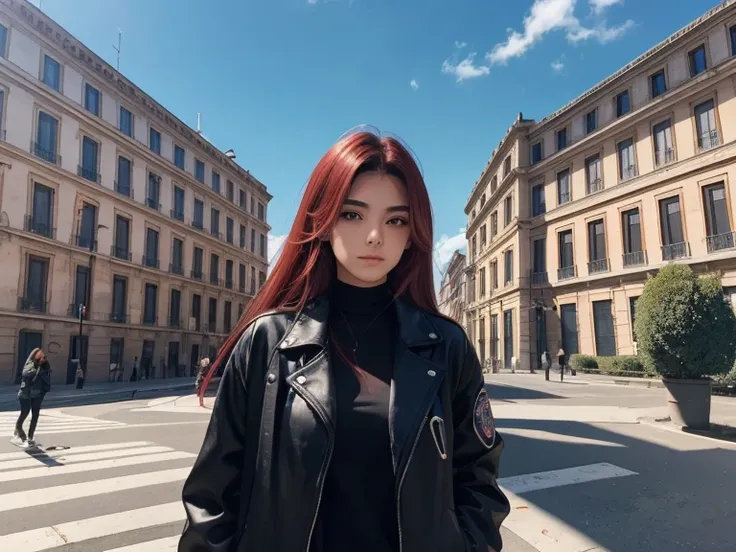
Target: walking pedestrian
x=134, y=373
x=561, y=362
x=201, y=372
x=350, y=414
x=35, y=383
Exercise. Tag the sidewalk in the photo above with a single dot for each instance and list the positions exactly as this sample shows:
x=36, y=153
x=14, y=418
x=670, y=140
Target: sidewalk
x=586, y=378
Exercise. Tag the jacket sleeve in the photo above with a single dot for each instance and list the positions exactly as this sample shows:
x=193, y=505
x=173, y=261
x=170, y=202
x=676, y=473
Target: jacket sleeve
x=29, y=371
x=212, y=492
x=480, y=505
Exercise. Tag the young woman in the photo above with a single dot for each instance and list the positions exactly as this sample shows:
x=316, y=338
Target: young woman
x=350, y=416
x=35, y=383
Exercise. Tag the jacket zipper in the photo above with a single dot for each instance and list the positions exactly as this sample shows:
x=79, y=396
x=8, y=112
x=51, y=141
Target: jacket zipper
x=401, y=482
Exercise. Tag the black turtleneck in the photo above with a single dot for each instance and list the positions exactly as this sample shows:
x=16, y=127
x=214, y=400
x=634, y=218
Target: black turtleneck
x=358, y=509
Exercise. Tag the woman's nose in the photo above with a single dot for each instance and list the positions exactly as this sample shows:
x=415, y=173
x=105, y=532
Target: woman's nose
x=374, y=237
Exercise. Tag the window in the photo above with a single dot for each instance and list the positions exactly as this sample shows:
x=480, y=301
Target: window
x=673, y=237
x=508, y=266
x=154, y=140
x=2, y=104
x=482, y=200
x=212, y=315
x=632, y=314
x=92, y=99
x=229, y=230
x=154, y=191
x=214, y=222
x=633, y=249
x=705, y=122
x=732, y=33
x=150, y=258
x=597, y=247
x=214, y=269
x=538, y=202
x=569, y=323
x=263, y=246
x=199, y=170
x=474, y=247
x=241, y=199
x=261, y=211
x=119, y=299
x=658, y=84
x=242, y=236
x=51, y=73
x=37, y=273
x=88, y=168
x=178, y=211
x=717, y=220
x=494, y=336
x=150, y=304
x=229, y=276
x=494, y=183
x=697, y=61
x=228, y=316
x=626, y=163
x=539, y=260
x=482, y=282
x=216, y=181
x=81, y=291
x=41, y=221
x=623, y=105
x=86, y=237
x=507, y=211
x=241, y=308
x=197, y=263
x=261, y=279
x=508, y=337
x=126, y=121
x=175, y=308
x=117, y=347
x=197, y=310
x=3, y=40
x=252, y=280
x=252, y=205
x=483, y=236
x=252, y=240
x=506, y=166
x=122, y=184
x=230, y=190
x=563, y=187
x=591, y=121
x=561, y=139
x=121, y=249
x=567, y=262
x=177, y=256
x=241, y=278
x=179, y=156
x=198, y=215
x=46, y=137
x=663, y=151
x=605, y=337
x=593, y=173
x=536, y=153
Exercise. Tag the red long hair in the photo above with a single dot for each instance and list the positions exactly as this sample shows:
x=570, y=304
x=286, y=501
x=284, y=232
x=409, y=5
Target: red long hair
x=307, y=265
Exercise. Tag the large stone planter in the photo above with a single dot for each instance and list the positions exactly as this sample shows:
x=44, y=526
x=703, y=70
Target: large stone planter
x=688, y=401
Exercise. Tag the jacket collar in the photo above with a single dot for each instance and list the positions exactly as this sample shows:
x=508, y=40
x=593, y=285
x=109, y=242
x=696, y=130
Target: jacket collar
x=310, y=326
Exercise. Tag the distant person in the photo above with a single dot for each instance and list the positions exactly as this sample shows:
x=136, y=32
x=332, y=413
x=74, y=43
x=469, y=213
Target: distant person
x=561, y=362
x=35, y=383
x=134, y=373
x=201, y=373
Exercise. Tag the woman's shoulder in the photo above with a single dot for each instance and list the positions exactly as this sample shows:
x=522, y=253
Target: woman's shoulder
x=265, y=331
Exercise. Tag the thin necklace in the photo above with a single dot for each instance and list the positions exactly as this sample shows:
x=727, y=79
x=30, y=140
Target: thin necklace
x=350, y=329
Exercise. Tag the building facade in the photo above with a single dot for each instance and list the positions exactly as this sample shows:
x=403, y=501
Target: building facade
x=573, y=213
x=109, y=201
x=452, y=294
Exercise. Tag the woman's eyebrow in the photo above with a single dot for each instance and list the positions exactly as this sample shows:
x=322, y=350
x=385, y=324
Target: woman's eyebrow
x=364, y=205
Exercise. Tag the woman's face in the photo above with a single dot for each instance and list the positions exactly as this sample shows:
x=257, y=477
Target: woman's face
x=372, y=231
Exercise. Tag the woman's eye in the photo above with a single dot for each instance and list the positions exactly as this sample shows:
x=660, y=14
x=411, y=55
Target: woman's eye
x=350, y=215
x=398, y=222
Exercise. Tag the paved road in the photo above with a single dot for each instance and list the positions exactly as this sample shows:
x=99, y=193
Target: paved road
x=599, y=480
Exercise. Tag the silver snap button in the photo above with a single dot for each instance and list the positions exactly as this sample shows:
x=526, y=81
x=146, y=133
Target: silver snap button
x=432, y=373
x=433, y=335
x=271, y=378
x=301, y=380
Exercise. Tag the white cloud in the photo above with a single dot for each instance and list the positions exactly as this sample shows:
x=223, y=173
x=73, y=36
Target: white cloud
x=466, y=69
x=460, y=45
x=558, y=65
x=274, y=249
x=313, y=2
x=599, y=6
x=446, y=246
x=547, y=16
x=414, y=84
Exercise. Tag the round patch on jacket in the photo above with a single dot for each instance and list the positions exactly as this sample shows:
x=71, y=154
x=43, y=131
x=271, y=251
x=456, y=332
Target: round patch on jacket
x=485, y=425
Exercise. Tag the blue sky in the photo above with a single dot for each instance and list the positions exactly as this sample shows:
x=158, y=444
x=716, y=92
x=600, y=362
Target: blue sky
x=280, y=80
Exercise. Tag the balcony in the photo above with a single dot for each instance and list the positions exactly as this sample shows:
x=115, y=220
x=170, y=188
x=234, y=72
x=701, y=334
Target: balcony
x=241, y=287
x=118, y=317
x=215, y=281
x=665, y=157
x=148, y=319
x=196, y=274
x=675, y=251
x=88, y=174
x=174, y=322
x=539, y=278
x=73, y=311
x=177, y=215
x=153, y=203
x=176, y=268
x=597, y=266
x=708, y=140
x=721, y=242
x=124, y=189
x=635, y=258
x=566, y=273
x=198, y=225
x=229, y=283
x=30, y=304
x=595, y=186
x=42, y=228
x=48, y=155
x=120, y=252
x=214, y=232
x=85, y=242
x=627, y=173
x=150, y=262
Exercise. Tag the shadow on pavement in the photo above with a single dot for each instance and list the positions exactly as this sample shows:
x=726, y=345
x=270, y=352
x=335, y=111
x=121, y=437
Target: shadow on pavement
x=510, y=393
x=679, y=499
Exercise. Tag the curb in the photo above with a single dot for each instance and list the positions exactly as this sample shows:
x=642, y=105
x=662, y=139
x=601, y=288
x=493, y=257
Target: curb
x=667, y=426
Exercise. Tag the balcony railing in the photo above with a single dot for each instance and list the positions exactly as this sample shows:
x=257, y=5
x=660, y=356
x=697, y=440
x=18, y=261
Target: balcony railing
x=88, y=174
x=39, y=227
x=198, y=225
x=174, y=322
x=229, y=283
x=216, y=234
x=598, y=266
x=241, y=287
x=30, y=304
x=124, y=189
x=664, y=157
x=85, y=242
x=720, y=242
x=229, y=238
x=635, y=258
x=176, y=268
x=562, y=198
x=215, y=281
x=150, y=262
x=675, y=251
x=595, y=186
x=709, y=140
x=118, y=317
x=196, y=274
x=628, y=172
x=566, y=273
x=149, y=320
x=539, y=278
x=153, y=203
x=122, y=253
x=41, y=151
x=73, y=311
x=178, y=215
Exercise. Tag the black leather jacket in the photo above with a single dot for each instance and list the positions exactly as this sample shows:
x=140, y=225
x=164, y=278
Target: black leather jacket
x=257, y=482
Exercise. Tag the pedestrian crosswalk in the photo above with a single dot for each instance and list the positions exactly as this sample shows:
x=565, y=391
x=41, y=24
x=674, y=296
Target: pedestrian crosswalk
x=55, y=421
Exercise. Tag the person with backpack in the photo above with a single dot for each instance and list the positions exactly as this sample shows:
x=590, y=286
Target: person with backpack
x=35, y=383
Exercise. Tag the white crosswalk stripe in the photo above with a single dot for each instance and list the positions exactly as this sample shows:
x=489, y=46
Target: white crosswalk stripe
x=53, y=422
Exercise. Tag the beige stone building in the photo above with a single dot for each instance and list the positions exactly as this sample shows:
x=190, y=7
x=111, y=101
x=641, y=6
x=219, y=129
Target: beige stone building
x=452, y=294
x=573, y=213
x=108, y=200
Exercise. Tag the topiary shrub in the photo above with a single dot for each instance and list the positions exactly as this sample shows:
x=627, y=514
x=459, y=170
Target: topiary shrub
x=583, y=362
x=685, y=327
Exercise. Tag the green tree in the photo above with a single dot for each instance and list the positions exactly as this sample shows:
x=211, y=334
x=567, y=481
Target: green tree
x=685, y=327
